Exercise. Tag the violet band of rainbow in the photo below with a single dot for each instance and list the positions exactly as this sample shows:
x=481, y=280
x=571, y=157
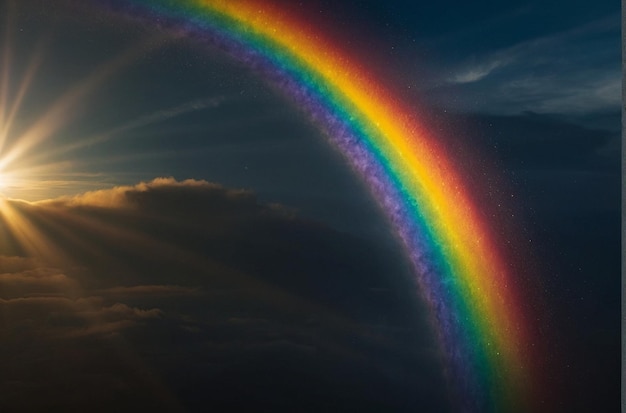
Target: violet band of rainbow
x=466, y=283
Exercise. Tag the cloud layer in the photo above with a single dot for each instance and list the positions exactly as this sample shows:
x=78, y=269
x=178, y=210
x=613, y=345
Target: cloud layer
x=188, y=294
x=572, y=72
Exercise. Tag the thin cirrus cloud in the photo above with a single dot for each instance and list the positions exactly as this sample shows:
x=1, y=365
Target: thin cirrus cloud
x=477, y=71
x=571, y=72
x=149, y=119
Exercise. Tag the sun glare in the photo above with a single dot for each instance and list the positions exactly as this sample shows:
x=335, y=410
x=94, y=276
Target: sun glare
x=4, y=184
x=22, y=152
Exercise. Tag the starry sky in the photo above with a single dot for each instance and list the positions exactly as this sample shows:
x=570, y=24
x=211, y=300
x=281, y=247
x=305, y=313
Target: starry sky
x=177, y=233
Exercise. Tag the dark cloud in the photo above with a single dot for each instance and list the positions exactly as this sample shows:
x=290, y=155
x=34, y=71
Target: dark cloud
x=542, y=162
x=538, y=141
x=149, y=290
x=28, y=278
x=207, y=297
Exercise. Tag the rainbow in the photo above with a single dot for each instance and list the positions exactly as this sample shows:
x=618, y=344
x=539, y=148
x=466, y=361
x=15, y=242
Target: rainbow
x=473, y=296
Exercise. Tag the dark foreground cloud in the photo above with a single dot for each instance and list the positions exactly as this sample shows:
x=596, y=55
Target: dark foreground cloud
x=189, y=296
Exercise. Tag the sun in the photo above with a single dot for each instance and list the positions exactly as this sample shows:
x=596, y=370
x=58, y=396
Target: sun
x=12, y=179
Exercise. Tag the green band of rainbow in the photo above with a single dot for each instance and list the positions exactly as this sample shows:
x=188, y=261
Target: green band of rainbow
x=461, y=274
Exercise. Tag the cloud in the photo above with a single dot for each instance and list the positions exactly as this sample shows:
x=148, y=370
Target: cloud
x=575, y=71
x=555, y=156
x=62, y=316
x=119, y=311
x=150, y=290
x=140, y=122
x=194, y=283
x=530, y=140
x=477, y=71
x=29, y=282
x=121, y=196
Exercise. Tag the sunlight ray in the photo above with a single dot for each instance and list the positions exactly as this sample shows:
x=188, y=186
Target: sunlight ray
x=62, y=111
x=5, y=69
x=117, y=132
x=27, y=79
x=80, y=227
x=26, y=233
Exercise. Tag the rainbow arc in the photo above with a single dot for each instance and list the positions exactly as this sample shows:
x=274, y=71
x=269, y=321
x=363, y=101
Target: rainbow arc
x=473, y=296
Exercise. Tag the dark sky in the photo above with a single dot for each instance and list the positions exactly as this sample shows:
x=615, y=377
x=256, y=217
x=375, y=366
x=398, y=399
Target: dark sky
x=278, y=284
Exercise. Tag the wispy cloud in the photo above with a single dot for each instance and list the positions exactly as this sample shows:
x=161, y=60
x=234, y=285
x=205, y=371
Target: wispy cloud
x=574, y=71
x=477, y=71
x=149, y=119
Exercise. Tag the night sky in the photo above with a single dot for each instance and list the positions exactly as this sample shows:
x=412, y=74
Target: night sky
x=177, y=235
